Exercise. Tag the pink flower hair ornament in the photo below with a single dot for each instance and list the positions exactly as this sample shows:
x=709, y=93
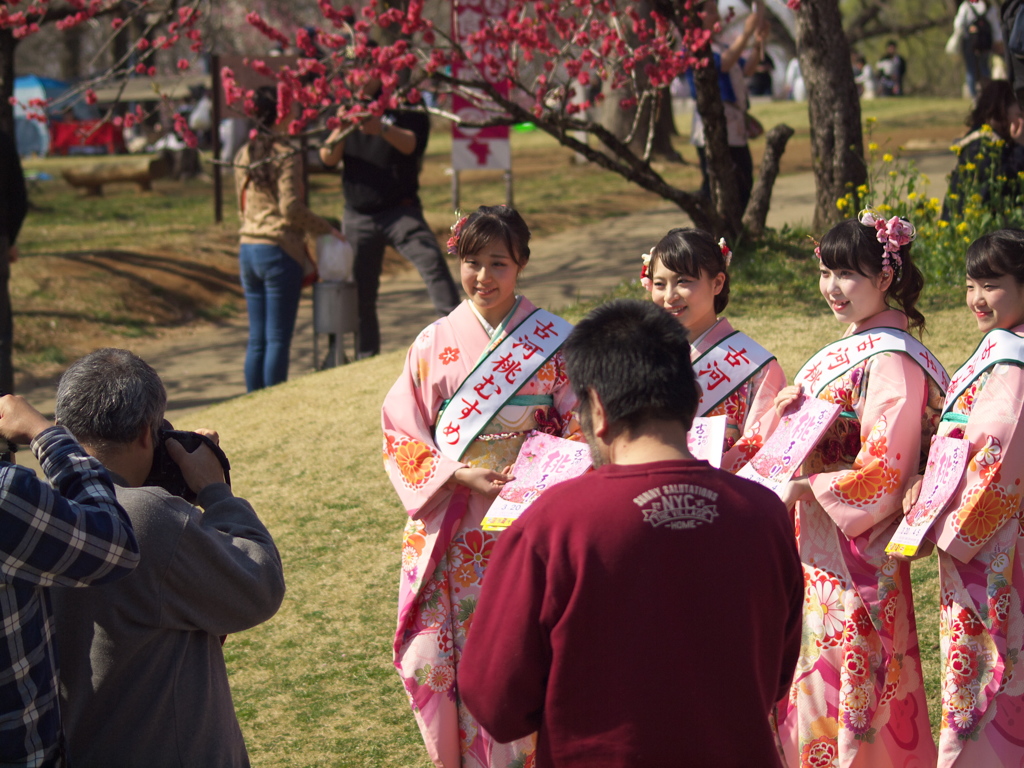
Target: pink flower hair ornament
x=726, y=253
x=453, y=241
x=893, y=234
x=645, y=270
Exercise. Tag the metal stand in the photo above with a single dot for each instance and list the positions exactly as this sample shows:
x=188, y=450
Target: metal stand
x=335, y=313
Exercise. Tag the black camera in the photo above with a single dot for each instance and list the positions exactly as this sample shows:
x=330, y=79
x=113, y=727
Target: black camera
x=166, y=473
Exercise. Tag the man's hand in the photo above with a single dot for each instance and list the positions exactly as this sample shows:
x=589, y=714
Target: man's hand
x=371, y=126
x=199, y=468
x=19, y=421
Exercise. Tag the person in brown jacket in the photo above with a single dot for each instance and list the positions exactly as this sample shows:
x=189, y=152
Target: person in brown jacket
x=272, y=255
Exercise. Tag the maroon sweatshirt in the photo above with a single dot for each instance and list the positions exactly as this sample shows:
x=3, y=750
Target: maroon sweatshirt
x=642, y=615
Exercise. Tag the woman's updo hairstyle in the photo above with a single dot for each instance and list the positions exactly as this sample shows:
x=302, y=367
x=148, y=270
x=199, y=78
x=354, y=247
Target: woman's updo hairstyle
x=691, y=252
x=487, y=224
x=997, y=254
x=854, y=246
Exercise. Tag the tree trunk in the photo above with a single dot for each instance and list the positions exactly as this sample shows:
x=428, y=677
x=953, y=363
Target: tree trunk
x=7, y=46
x=837, y=140
x=725, y=193
x=761, y=196
x=70, y=53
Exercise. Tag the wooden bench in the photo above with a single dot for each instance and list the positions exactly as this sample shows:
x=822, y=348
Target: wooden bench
x=137, y=170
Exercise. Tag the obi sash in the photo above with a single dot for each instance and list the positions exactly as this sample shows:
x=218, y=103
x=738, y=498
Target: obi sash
x=998, y=346
x=496, y=379
x=725, y=367
x=840, y=357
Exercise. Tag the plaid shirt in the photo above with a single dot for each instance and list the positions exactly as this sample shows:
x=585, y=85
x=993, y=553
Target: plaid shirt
x=74, y=536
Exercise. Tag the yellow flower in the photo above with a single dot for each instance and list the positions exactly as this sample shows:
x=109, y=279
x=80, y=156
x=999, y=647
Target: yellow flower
x=986, y=128
x=967, y=240
x=961, y=227
x=871, y=121
x=887, y=158
x=873, y=146
x=943, y=224
x=862, y=189
x=885, y=208
x=954, y=149
x=969, y=166
x=976, y=199
x=893, y=174
x=934, y=203
x=980, y=156
x=954, y=196
x=912, y=196
x=842, y=203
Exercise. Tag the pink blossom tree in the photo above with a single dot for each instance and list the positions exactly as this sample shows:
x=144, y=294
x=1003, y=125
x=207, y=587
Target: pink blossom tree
x=530, y=63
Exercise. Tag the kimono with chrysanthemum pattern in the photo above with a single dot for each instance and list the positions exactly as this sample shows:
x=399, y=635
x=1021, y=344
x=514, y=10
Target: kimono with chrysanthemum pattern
x=444, y=551
x=750, y=416
x=857, y=698
x=981, y=624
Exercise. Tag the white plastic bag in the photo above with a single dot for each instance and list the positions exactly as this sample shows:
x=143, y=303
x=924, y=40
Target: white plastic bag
x=334, y=258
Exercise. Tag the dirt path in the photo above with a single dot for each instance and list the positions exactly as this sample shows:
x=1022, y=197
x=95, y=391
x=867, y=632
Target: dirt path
x=204, y=366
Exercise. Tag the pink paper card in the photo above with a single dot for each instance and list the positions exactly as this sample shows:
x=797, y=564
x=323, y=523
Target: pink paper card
x=947, y=459
x=792, y=441
x=706, y=438
x=543, y=461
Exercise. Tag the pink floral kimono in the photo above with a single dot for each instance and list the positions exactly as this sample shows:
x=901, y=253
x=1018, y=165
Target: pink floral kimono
x=445, y=552
x=981, y=624
x=857, y=698
x=750, y=409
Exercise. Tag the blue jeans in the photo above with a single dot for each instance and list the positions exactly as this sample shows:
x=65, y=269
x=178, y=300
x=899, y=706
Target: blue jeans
x=272, y=281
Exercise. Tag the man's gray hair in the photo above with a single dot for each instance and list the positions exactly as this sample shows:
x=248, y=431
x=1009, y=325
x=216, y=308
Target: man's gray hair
x=109, y=396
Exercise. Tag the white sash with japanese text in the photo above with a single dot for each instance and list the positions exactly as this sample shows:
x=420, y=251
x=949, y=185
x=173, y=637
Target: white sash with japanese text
x=496, y=378
x=998, y=346
x=725, y=367
x=842, y=356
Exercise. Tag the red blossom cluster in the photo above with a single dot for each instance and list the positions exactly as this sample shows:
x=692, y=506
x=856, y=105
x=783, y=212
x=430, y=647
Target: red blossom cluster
x=535, y=58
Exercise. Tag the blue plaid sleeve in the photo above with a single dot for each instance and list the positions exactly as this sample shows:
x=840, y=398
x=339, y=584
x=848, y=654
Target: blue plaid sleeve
x=70, y=535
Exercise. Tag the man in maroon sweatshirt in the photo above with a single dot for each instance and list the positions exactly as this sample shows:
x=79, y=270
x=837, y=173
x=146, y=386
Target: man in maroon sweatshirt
x=648, y=613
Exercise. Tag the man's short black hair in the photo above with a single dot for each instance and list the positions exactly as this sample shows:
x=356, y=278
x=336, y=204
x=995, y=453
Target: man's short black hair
x=635, y=356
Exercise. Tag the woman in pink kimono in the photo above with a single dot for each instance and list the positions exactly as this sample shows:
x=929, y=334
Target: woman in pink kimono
x=687, y=275
x=857, y=699
x=475, y=382
x=981, y=624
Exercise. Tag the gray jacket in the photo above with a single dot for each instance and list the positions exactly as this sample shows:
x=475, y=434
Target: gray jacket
x=142, y=674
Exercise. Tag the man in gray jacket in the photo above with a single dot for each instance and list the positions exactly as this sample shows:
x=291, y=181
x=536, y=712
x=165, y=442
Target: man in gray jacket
x=142, y=674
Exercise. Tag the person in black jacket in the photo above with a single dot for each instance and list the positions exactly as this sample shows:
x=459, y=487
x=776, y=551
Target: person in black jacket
x=13, y=207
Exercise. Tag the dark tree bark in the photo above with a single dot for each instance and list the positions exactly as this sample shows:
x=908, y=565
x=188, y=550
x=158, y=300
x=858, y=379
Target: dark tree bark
x=761, y=196
x=7, y=45
x=837, y=139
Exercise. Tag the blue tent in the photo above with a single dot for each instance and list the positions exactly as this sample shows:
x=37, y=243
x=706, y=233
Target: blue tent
x=32, y=136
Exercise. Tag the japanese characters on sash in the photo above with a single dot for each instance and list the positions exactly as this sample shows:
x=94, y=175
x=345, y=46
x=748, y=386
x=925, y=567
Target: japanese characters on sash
x=687, y=273
x=981, y=622
x=474, y=384
x=857, y=698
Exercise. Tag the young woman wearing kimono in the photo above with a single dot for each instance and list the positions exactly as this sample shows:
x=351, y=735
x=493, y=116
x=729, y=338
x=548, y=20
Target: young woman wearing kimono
x=475, y=382
x=981, y=624
x=857, y=699
x=687, y=275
